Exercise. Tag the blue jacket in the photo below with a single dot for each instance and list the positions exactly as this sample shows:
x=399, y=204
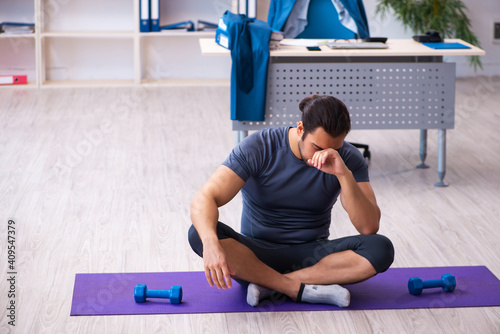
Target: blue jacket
x=248, y=41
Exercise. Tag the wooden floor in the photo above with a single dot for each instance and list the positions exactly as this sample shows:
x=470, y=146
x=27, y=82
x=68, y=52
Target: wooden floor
x=100, y=180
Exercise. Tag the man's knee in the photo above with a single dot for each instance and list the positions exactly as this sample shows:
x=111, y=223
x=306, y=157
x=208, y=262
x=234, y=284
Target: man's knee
x=384, y=257
x=377, y=249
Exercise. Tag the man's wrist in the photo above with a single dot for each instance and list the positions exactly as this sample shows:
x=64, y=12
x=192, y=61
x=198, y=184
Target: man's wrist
x=345, y=177
x=209, y=239
x=346, y=174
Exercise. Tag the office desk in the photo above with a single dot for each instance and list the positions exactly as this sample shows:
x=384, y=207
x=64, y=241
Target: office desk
x=406, y=86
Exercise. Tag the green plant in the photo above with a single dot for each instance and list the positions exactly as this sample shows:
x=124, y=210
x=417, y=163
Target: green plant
x=446, y=16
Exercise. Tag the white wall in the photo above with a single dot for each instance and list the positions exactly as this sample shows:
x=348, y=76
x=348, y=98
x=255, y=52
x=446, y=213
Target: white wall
x=482, y=13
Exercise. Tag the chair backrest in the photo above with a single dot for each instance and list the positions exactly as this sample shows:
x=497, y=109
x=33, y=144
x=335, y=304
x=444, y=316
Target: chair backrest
x=323, y=22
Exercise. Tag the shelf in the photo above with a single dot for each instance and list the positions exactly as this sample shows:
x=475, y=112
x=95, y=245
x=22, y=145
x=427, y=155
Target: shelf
x=89, y=34
x=182, y=33
x=186, y=82
x=32, y=35
x=22, y=86
x=87, y=83
x=129, y=83
x=83, y=43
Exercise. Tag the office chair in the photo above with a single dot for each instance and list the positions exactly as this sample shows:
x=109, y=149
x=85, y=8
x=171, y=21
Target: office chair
x=323, y=22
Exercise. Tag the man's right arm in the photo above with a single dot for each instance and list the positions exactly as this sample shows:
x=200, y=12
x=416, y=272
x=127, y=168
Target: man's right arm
x=219, y=189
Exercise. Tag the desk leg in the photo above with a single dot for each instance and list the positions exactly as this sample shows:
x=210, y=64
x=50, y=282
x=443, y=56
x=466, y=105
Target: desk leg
x=423, y=148
x=240, y=135
x=237, y=138
x=441, y=157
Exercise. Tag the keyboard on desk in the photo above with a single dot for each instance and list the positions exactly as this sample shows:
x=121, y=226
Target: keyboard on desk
x=357, y=45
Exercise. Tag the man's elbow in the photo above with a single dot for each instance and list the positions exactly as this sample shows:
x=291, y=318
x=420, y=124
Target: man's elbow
x=196, y=204
x=370, y=226
x=368, y=230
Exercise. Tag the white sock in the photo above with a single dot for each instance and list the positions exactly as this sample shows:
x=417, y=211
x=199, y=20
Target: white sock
x=256, y=293
x=324, y=294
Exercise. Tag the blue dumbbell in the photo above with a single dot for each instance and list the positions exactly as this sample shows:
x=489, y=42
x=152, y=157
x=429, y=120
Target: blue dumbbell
x=141, y=292
x=447, y=283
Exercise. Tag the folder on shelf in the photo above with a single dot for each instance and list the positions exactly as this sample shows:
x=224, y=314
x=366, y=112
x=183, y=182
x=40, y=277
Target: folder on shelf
x=206, y=26
x=155, y=15
x=17, y=28
x=242, y=7
x=252, y=9
x=184, y=25
x=13, y=79
x=144, y=16
x=248, y=8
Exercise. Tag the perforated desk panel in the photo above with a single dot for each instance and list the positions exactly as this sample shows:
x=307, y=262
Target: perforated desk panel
x=378, y=95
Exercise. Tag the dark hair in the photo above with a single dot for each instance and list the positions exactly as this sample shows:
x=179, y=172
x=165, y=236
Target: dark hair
x=327, y=112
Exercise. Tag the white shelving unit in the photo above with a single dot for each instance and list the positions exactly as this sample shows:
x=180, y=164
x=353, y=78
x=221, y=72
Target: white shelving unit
x=98, y=43
x=18, y=54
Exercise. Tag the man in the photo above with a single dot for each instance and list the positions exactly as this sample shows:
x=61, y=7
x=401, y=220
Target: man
x=290, y=178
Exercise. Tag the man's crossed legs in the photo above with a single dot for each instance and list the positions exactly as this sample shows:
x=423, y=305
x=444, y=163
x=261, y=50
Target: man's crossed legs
x=310, y=272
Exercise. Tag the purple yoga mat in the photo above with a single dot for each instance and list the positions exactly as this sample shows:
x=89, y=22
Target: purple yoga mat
x=113, y=294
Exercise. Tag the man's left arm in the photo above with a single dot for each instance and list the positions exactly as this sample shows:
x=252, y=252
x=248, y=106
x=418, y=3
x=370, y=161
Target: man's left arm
x=357, y=198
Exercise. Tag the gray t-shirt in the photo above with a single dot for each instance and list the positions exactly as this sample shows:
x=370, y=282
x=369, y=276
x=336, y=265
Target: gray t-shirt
x=285, y=200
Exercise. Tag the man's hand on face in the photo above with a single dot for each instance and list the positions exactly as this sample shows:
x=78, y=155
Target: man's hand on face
x=328, y=161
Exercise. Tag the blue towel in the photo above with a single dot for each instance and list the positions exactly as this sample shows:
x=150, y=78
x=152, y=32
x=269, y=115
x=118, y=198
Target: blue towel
x=248, y=40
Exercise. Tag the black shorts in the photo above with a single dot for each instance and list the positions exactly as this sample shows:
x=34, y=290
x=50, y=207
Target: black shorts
x=376, y=248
